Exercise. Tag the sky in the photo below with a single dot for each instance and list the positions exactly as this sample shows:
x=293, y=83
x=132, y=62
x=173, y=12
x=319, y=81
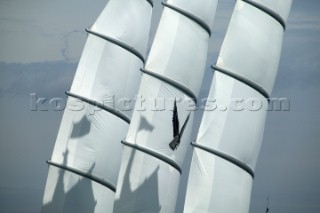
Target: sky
x=40, y=45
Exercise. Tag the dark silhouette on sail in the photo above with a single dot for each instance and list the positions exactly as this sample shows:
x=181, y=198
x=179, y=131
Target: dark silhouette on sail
x=78, y=199
x=177, y=134
x=143, y=199
x=81, y=128
x=145, y=124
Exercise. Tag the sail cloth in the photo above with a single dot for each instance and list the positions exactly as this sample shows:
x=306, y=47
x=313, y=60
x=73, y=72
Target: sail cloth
x=85, y=162
x=160, y=129
x=229, y=139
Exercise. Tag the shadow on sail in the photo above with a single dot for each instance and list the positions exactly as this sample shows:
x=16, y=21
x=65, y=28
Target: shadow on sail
x=145, y=198
x=81, y=128
x=79, y=198
x=145, y=125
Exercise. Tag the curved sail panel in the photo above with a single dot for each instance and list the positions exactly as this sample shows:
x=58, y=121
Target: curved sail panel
x=229, y=138
x=134, y=15
x=238, y=130
x=172, y=55
x=105, y=74
x=96, y=118
x=258, y=52
x=160, y=135
x=147, y=125
x=216, y=185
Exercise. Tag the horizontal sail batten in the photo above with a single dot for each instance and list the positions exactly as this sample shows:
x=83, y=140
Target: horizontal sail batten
x=270, y=12
x=190, y=16
x=226, y=157
x=85, y=175
x=154, y=154
x=171, y=82
x=102, y=106
x=244, y=80
x=119, y=43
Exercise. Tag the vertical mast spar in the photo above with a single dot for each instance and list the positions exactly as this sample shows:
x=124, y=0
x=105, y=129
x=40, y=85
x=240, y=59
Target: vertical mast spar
x=267, y=207
x=84, y=166
x=159, y=136
x=228, y=142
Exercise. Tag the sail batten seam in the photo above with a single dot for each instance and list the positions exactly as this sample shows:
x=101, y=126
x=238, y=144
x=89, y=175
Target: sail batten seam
x=268, y=11
x=244, y=80
x=171, y=82
x=118, y=43
x=226, y=157
x=100, y=105
x=85, y=175
x=190, y=16
x=155, y=154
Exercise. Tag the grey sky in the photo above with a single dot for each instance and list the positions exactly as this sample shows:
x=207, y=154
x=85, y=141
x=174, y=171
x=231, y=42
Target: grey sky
x=40, y=45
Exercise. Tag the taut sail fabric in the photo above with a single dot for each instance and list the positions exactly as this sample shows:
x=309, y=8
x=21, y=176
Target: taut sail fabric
x=84, y=166
x=231, y=131
x=160, y=129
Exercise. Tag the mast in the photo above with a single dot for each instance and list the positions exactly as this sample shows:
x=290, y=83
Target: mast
x=267, y=207
x=84, y=166
x=160, y=130
x=228, y=142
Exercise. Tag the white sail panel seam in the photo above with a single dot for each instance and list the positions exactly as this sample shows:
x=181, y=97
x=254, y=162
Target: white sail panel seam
x=154, y=154
x=268, y=11
x=226, y=157
x=244, y=80
x=83, y=174
x=102, y=106
x=190, y=16
x=171, y=82
x=118, y=43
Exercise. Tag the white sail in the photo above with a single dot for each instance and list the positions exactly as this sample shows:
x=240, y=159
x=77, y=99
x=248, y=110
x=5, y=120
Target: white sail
x=229, y=138
x=85, y=162
x=156, y=144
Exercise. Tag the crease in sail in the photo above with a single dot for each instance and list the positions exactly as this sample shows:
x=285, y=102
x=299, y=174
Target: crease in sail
x=158, y=139
x=86, y=157
x=229, y=141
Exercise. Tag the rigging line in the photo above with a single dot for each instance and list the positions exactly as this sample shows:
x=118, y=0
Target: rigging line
x=155, y=154
x=85, y=175
x=118, y=43
x=100, y=105
x=150, y=2
x=226, y=157
x=267, y=10
x=190, y=16
x=171, y=82
x=244, y=80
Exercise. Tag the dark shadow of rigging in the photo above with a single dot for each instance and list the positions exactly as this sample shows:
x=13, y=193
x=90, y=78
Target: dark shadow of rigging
x=79, y=198
x=81, y=128
x=145, y=125
x=141, y=200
